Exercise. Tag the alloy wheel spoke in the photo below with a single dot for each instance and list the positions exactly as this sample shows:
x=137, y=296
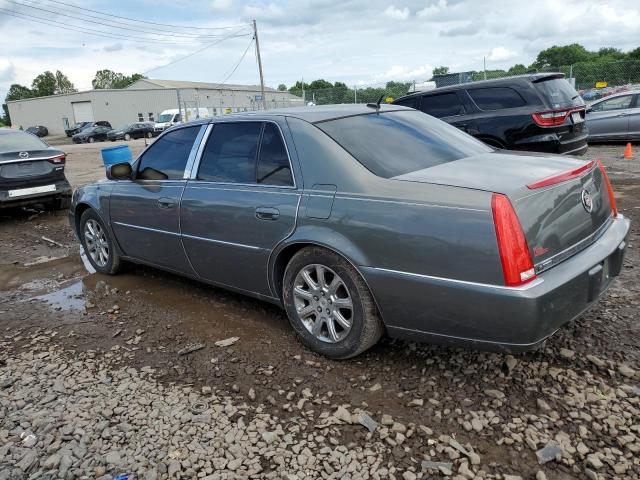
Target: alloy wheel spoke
x=317, y=326
x=331, y=327
x=343, y=303
x=344, y=323
x=304, y=312
x=309, y=281
x=320, y=272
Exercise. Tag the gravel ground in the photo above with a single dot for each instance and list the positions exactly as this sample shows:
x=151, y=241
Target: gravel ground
x=96, y=381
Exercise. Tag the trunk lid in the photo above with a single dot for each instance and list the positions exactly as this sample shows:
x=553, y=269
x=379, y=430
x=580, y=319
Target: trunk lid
x=36, y=169
x=554, y=218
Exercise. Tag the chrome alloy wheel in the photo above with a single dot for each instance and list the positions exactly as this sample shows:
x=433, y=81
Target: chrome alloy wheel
x=323, y=303
x=96, y=241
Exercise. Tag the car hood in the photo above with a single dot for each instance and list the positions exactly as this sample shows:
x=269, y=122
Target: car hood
x=502, y=171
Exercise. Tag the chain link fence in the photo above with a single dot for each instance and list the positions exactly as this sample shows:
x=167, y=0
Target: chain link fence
x=592, y=80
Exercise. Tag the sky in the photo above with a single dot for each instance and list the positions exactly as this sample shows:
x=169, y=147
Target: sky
x=359, y=42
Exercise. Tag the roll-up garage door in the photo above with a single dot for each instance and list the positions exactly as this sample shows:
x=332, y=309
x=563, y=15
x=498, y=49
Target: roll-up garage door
x=82, y=111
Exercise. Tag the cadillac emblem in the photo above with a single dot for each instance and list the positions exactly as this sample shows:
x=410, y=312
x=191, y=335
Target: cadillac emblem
x=587, y=202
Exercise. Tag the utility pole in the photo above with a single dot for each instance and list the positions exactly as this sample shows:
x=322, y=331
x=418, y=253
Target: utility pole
x=484, y=62
x=255, y=36
x=355, y=94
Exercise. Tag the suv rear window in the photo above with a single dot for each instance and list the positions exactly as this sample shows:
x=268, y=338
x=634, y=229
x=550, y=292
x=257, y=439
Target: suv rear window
x=496, y=98
x=558, y=93
x=395, y=143
x=442, y=105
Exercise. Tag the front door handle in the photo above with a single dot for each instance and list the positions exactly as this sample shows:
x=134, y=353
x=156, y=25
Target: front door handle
x=166, y=203
x=267, y=213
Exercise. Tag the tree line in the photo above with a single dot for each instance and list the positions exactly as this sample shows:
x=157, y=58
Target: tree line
x=49, y=83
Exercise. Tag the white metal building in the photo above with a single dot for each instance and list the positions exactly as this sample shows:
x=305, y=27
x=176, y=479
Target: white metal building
x=141, y=101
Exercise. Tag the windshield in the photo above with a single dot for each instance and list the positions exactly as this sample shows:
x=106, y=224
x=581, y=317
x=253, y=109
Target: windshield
x=395, y=143
x=559, y=93
x=165, y=117
x=19, y=142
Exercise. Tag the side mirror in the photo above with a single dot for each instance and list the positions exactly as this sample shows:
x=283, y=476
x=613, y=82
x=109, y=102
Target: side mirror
x=120, y=171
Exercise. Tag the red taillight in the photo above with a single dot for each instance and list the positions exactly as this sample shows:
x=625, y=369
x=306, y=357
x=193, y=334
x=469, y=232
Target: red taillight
x=561, y=177
x=607, y=182
x=517, y=265
x=553, y=118
x=58, y=159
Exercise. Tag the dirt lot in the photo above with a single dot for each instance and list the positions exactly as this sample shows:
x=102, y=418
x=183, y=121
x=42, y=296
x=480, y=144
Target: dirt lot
x=93, y=383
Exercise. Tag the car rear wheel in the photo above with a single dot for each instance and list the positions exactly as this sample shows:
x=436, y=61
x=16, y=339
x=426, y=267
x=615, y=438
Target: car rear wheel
x=91, y=140
x=329, y=305
x=127, y=137
x=149, y=134
x=98, y=244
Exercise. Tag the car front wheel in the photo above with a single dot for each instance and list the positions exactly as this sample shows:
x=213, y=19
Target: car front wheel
x=91, y=140
x=127, y=137
x=149, y=134
x=98, y=244
x=329, y=305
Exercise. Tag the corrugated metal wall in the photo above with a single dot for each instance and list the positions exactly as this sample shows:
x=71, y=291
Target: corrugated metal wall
x=124, y=106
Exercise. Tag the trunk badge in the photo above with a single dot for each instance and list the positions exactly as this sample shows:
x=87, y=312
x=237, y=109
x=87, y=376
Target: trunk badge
x=23, y=154
x=587, y=202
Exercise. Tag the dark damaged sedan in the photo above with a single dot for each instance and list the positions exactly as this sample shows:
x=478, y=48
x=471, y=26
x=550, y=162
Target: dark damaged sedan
x=31, y=172
x=363, y=219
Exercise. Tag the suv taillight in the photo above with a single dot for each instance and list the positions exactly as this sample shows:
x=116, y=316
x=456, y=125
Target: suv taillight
x=517, y=265
x=607, y=182
x=553, y=118
x=58, y=159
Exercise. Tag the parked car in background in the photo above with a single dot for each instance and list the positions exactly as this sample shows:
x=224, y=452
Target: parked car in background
x=78, y=127
x=535, y=112
x=91, y=134
x=131, y=130
x=616, y=117
x=31, y=171
x=38, y=131
x=451, y=242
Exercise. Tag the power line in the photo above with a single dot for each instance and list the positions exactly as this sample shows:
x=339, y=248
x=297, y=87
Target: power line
x=189, y=55
x=112, y=24
x=142, y=21
x=237, y=64
x=81, y=29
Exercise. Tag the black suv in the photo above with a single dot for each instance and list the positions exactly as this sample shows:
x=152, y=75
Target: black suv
x=539, y=112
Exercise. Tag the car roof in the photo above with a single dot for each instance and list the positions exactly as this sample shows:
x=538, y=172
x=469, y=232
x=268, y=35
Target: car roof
x=493, y=82
x=318, y=113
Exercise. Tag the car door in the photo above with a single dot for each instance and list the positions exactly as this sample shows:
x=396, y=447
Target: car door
x=102, y=133
x=449, y=107
x=145, y=212
x=608, y=119
x=240, y=202
x=634, y=119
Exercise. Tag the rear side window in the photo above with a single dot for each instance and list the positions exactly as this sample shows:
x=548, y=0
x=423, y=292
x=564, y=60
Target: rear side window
x=273, y=161
x=496, y=98
x=558, y=93
x=411, y=102
x=442, y=105
x=395, y=143
x=167, y=157
x=230, y=153
x=617, y=103
x=19, y=142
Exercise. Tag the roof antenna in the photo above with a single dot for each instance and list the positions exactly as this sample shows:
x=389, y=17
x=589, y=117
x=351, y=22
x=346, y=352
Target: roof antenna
x=377, y=104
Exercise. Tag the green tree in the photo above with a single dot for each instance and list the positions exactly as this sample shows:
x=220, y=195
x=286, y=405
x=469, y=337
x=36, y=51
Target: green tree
x=634, y=54
x=18, y=92
x=517, y=69
x=105, y=79
x=44, y=84
x=557, y=56
x=63, y=84
x=319, y=84
x=441, y=70
x=282, y=87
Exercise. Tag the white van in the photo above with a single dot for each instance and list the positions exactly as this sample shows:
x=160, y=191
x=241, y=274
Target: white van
x=173, y=116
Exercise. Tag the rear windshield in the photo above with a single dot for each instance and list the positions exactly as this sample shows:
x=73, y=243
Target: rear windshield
x=558, y=93
x=395, y=143
x=20, y=142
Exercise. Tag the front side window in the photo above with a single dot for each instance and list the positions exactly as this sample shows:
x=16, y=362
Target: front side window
x=442, y=105
x=230, y=153
x=617, y=103
x=167, y=157
x=273, y=161
x=396, y=143
x=496, y=98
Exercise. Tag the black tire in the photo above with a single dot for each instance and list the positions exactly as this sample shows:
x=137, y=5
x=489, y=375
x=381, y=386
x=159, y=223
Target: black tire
x=91, y=140
x=149, y=135
x=114, y=263
x=366, y=325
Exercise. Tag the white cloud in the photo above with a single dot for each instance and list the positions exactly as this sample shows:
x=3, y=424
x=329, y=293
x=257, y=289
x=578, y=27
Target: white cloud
x=397, y=13
x=402, y=72
x=221, y=5
x=433, y=9
x=500, y=54
x=7, y=70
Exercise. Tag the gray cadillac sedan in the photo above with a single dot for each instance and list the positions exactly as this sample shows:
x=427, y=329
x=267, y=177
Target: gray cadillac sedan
x=364, y=219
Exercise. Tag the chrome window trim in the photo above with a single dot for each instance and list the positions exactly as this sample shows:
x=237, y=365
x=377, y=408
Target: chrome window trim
x=196, y=165
x=149, y=229
x=201, y=141
x=527, y=286
x=30, y=159
x=222, y=242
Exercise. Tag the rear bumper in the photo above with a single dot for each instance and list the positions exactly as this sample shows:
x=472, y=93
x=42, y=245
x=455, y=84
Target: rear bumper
x=491, y=317
x=63, y=189
x=553, y=143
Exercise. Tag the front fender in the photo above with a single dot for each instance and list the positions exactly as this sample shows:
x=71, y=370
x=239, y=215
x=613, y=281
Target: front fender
x=94, y=196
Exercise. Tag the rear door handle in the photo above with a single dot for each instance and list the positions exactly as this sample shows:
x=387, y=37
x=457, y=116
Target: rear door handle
x=166, y=203
x=267, y=213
